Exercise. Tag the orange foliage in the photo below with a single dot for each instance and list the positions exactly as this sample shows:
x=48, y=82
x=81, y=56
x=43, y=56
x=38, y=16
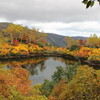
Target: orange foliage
x=27, y=49
x=84, y=52
x=17, y=77
x=90, y=53
x=57, y=90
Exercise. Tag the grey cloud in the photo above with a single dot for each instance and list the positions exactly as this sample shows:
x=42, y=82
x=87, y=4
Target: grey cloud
x=47, y=10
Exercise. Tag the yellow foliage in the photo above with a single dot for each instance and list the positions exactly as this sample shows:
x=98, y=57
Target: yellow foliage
x=22, y=49
x=85, y=85
x=90, y=53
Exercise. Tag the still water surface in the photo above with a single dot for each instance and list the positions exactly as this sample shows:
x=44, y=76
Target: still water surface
x=39, y=68
x=48, y=69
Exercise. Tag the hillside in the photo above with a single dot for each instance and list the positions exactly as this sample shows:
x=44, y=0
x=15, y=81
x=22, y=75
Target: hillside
x=57, y=40
x=3, y=25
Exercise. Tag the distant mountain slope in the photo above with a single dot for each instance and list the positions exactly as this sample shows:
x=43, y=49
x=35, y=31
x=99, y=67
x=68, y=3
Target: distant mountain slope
x=79, y=37
x=58, y=40
x=55, y=39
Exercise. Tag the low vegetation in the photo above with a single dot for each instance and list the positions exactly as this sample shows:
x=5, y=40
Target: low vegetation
x=74, y=82
x=71, y=82
x=85, y=85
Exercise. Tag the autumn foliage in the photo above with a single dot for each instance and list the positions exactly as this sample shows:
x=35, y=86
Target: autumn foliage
x=16, y=77
x=69, y=83
x=85, y=85
x=89, y=53
x=15, y=85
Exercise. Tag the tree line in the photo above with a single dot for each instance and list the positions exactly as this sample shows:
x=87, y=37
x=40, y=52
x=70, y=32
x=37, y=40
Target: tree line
x=92, y=41
x=17, y=33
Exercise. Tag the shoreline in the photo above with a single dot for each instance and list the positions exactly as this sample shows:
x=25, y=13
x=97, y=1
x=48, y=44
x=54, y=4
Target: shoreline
x=67, y=56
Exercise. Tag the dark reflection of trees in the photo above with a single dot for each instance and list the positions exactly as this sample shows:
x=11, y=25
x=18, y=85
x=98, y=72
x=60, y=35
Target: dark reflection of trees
x=33, y=65
x=34, y=68
x=43, y=66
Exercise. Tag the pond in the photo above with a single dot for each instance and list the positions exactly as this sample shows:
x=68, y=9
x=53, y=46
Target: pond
x=40, y=68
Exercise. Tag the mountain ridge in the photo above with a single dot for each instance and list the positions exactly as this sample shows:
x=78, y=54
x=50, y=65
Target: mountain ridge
x=58, y=40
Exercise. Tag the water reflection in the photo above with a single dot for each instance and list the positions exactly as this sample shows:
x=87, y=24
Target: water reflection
x=40, y=68
x=33, y=67
x=30, y=64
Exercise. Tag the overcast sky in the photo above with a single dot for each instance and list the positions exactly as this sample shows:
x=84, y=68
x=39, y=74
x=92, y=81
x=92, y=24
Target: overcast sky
x=65, y=17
